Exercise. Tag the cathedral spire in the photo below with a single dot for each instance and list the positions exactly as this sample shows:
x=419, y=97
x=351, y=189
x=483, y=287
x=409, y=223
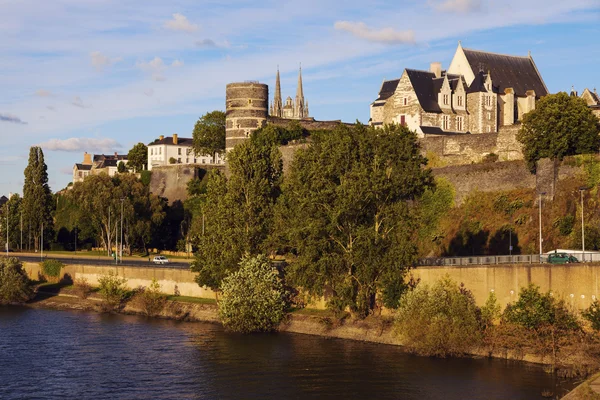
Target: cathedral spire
x=277, y=102
x=300, y=97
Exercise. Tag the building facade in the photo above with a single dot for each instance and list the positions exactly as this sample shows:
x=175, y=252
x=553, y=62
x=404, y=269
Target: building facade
x=479, y=93
x=291, y=109
x=172, y=150
x=593, y=100
x=99, y=164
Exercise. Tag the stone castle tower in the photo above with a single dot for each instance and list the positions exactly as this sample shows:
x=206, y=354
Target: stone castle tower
x=297, y=109
x=246, y=110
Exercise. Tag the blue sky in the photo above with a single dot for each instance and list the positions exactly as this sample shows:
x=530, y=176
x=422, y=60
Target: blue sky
x=102, y=75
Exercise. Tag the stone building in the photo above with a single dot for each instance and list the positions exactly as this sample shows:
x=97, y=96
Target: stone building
x=291, y=109
x=99, y=164
x=175, y=150
x=593, y=101
x=479, y=93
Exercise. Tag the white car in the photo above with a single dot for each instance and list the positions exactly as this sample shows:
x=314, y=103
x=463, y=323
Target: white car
x=160, y=260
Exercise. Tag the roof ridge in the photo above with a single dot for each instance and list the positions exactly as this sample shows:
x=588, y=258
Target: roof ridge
x=497, y=54
x=418, y=70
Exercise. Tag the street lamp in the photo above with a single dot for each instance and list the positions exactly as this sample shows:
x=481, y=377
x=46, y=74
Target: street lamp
x=121, y=248
x=581, y=189
x=540, y=208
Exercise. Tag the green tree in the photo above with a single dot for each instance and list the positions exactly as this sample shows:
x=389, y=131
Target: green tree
x=209, y=134
x=12, y=211
x=238, y=211
x=560, y=125
x=253, y=297
x=37, y=198
x=137, y=158
x=14, y=283
x=121, y=168
x=347, y=214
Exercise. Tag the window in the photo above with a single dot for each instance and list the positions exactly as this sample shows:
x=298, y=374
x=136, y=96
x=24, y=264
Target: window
x=488, y=101
x=203, y=161
x=489, y=129
x=80, y=174
x=403, y=120
x=249, y=102
x=459, y=123
x=160, y=150
x=151, y=152
x=405, y=101
x=489, y=116
x=187, y=160
x=445, y=122
x=195, y=161
x=459, y=101
x=179, y=160
x=179, y=151
x=446, y=100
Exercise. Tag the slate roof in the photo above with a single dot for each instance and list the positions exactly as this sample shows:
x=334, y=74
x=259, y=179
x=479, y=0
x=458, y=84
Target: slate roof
x=84, y=167
x=3, y=200
x=169, y=141
x=102, y=157
x=426, y=88
x=519, y=73
x=387, y=89
x=436, y=130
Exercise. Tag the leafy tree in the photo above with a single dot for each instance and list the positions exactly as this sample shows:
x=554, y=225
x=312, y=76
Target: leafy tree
x=14, y=283
x=253, y=297
x=121, y=168
x=441, y=320
x=137, y=158
x=592, y=314
x=37, y=198
x=560, y=125
x=209, y=134
x=238, y=211
x=346, y=214
x=51, y=268
x=12, y=210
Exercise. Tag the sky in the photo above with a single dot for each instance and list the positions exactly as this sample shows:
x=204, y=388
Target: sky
x=102, y=75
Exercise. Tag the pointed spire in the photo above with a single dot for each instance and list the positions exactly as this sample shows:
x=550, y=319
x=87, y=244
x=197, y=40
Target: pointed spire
x=299, y=104
x=277, y=103
x=299, y=90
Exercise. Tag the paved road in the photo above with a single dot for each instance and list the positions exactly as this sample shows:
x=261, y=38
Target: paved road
x=101, y=261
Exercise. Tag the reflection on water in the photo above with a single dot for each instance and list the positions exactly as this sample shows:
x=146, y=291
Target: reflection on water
x=46, y=354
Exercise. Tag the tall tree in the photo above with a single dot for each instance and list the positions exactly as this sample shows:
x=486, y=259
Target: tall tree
x=346, y=215
x=209, y=134
x=561, y=125
x=12, y=211
x=137, y=158
x=37, y=198
x=238, y=211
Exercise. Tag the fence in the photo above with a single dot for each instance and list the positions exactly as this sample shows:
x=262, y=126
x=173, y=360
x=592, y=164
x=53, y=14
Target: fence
x=497, y=260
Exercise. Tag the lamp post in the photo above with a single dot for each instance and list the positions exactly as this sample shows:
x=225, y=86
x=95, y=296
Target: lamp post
x=121, y=248
x=581, y=189
x=540, y=209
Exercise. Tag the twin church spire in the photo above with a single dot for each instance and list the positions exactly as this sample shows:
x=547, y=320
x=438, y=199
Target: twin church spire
x=291, y=109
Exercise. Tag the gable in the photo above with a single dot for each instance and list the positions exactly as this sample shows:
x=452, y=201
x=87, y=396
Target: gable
x=426, y=89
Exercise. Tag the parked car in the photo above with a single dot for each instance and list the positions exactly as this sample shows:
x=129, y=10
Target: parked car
x=160, y=260
x=561, y=258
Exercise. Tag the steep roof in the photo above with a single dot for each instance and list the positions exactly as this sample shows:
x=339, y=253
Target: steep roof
x=426, y=88
x=3, y=200
x=169, y=141
x=102, y=157
x=436, y=130
x=387, y=89
x=83, y=167
x=519, y=73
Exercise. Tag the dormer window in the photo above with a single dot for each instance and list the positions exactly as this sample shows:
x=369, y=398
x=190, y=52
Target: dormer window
x=446, y=99
x=459, y=101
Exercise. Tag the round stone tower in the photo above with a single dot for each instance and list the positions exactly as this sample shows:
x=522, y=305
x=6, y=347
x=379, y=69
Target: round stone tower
x=247, y=106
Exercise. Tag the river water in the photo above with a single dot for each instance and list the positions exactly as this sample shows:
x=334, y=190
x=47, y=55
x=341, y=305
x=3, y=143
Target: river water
x=48, y=354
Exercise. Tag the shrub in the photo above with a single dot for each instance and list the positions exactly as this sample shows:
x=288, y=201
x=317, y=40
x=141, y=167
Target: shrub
x=172, y=160
x=592, y=314
x=145, y=177
x=113, y=290
x=82, y=288
x=150, y=300
x=51, y=268
x=14, y=284
x=490, y=312
x=253, y=297
x=441, y=320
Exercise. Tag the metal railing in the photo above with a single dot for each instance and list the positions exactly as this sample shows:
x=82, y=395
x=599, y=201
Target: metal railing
x=481, y=260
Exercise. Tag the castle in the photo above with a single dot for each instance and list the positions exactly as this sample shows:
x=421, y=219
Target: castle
x=297, y=109
x=479, y=93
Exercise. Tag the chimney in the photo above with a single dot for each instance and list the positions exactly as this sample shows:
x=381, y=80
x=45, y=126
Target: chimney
x=174, y=138
x=161, y=137
x=87, y=158
x=509, y=106
x=116, y=155
x=436, y=68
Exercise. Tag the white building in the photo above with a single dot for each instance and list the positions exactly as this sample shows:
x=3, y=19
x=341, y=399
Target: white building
x=173, y=150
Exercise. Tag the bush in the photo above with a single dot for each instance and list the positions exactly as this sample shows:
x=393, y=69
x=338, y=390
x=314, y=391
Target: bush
x=441, y=320
x=592, y=314
x=82, y=288
x=172, y=160
x=145, y=177
x=113, y=290
x=14, y=284
x=253, y=297
x=51, y=268
x=150, y=300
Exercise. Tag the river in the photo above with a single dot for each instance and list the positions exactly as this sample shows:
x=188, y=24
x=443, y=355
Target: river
x=48, y=354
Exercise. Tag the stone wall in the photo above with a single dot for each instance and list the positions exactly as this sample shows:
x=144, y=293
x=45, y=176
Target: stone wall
x=171, y=181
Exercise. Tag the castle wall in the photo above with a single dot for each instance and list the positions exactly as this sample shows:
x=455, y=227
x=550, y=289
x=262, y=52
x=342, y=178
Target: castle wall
x=171, y=181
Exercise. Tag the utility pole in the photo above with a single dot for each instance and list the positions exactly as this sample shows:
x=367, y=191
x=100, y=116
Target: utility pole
x=21, y=231
x=540, y=208
x=121, y=248
x=581, y=189
x=42, y=244
x=6, y=229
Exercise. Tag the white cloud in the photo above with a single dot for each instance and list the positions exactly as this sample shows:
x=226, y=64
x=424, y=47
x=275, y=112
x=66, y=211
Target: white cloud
x=180, y=23
x=78, y=102
x=90, y=145
x=211, y=44
x=43, y=93
x=457, y=6
x=385, y=35
x=177, y=63
x=12, y=118
x=99, y=60
x=156, y=67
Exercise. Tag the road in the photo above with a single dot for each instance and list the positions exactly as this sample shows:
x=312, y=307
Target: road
x=87, y=260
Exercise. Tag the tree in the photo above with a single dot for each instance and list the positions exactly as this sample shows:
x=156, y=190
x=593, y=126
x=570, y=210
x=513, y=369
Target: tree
x=137, y=158
x=238, y=211
x=14, y=283
x=12, y=210
x=253, y=297
x=121, y=168
x=209, y=134
x=561, y=125
x=37, y=198
x=346, y=214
